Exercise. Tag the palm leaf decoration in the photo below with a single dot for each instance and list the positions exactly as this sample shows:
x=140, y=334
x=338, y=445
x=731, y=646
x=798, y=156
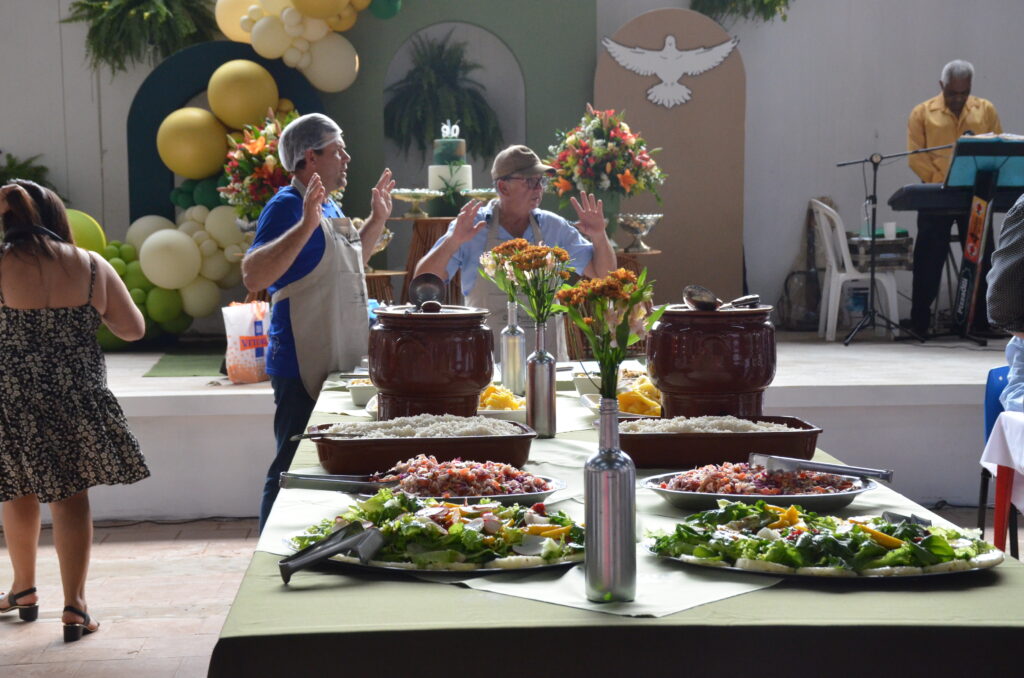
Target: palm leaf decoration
x=14, y=167
x=438, y=87
x=124, y=32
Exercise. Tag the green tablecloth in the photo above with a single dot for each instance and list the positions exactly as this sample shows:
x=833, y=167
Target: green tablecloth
x=327, y=623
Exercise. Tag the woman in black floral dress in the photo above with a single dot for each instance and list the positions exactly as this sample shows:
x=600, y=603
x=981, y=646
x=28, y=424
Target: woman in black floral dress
x=61, y=429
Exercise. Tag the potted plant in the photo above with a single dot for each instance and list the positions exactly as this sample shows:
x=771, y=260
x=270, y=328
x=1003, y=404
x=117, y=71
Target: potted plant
x=437, y=88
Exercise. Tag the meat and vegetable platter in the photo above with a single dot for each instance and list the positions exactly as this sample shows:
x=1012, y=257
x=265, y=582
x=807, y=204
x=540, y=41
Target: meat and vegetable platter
x=428, y=535
x=703, y=487
x=793, y=542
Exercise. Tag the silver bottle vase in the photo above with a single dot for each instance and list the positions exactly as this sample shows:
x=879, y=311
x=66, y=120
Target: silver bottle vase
x=513, y=353
x=540, y=388
x=609, y=491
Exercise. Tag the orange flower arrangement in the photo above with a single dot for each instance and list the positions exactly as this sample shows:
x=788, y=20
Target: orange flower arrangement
x=618, y=318
x=253, y=167
x=528, y=274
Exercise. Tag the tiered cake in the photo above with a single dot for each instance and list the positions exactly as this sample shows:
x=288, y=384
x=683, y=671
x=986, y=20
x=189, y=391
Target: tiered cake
x=450, y=168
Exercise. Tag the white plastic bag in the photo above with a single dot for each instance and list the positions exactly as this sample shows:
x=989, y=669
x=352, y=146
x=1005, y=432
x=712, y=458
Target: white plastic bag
x=246, y=326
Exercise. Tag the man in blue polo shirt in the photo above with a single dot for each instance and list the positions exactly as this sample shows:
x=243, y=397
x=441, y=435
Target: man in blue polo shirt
x=311, y=260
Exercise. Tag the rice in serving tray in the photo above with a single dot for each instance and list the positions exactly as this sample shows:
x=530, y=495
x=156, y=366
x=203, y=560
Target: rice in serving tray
x=705, y=424
x=426, y=426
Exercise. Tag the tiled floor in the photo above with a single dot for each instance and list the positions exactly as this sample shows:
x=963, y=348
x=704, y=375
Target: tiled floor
x=160, y=591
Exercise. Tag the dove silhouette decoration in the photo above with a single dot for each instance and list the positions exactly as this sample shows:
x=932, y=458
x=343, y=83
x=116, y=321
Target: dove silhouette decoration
x=669, y=64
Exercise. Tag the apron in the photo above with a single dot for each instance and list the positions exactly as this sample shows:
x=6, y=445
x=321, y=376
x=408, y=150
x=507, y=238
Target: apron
x=328, y=307
x=485, y=294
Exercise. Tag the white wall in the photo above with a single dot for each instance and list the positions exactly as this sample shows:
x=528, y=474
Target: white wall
x=835, y=82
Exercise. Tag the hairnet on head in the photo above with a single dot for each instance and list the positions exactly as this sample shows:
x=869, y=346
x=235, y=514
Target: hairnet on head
x=308, y=132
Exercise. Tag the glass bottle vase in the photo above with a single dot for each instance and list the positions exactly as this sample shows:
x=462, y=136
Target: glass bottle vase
x=513, y=353
x=609, y=491
x=540, y=388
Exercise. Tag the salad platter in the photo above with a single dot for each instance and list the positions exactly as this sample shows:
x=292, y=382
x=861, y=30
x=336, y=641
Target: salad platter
x=763, y=539
x=395, y=532
x=695, y=501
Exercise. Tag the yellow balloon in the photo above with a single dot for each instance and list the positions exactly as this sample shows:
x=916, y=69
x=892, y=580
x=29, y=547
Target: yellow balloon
x=360, y=5
x=229, y=14
x=318, y=9
x=192, y=142
x=343, y=21
x=87, y=232
x=275, y=6
x=240, y=92
x=334, y=65
x=269, y=39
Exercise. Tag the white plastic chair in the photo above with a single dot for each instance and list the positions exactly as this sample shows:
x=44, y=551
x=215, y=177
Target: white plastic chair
x=840, y=270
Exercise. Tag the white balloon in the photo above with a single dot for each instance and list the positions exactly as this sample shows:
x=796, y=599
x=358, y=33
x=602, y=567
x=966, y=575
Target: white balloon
x=291, y=57
x=334, y=63
x=294, y=30
x=301, y=44
x=215, y=266
x=246, y=24
x=200, y=298
x=170, y=258
x=222, y=226
x=189, y=227
x=198, y=213
x=269, y=39
x=232, y=253
x=255, y=12
x=291, y=16
x=208, y=248
x=200, y=237
x=314, y=29
x=306, y=60
x=231, y=278
x=143, y=227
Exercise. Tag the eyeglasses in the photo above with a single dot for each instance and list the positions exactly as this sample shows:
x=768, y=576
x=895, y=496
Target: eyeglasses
x=532, y=183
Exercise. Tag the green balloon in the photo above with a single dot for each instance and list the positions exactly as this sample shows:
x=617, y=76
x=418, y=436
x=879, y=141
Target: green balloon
x=181, y=198
x=152, y=329
x=188, y=185
x=177, y=325
x=108, y=341
x=138, y=296
x=206, y=193
x=129, y=253
x=385, y=9
x=111, y=252
x=163, y=304
x=134, y=277
x=119, y=266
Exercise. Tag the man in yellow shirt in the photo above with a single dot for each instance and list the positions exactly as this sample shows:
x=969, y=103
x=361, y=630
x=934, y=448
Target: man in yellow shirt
x=939, y=121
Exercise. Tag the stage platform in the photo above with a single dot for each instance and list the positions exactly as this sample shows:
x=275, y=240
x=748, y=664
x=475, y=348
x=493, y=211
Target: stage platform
x=912, y=407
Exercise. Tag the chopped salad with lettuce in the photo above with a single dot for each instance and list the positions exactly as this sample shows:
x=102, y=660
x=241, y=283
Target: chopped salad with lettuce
x=429, y=534
x=765, y=538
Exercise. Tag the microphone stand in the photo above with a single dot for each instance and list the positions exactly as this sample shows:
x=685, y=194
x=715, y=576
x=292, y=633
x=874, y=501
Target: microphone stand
x=871, y=314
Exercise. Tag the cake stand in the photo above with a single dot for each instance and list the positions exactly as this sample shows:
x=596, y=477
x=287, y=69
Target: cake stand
x=415, y=196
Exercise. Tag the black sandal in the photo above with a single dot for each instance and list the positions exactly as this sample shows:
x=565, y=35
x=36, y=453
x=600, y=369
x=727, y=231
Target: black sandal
x=75, y=630
x=26, y=612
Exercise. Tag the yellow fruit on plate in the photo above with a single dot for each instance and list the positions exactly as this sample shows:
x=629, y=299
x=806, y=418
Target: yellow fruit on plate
x=500, y=398
x=646, y=388
x=634, y=402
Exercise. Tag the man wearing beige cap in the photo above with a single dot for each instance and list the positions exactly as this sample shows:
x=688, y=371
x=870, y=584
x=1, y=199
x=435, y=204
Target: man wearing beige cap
x=520, y=179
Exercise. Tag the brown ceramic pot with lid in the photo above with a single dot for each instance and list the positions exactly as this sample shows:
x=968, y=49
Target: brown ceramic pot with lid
x=712, y=362
x=430, y=363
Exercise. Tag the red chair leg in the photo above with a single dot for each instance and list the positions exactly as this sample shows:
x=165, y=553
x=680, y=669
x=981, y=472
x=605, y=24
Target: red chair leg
x=1004, y=487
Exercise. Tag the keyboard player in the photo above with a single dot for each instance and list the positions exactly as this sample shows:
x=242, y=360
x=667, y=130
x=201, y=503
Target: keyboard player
x=939, y=121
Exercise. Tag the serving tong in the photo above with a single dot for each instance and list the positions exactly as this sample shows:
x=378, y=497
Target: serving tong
x=774, y=463
x=336, y=483
x=364, y=544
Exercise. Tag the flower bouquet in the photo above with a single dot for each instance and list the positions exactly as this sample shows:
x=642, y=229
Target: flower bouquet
x=253, y=167
x=613, y=314
x=602, y=155
x=528, y=274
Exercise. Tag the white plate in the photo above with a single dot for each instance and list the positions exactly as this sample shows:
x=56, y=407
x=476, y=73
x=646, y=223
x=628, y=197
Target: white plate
x=508, y=415
x=592, y=401
x=371, y=408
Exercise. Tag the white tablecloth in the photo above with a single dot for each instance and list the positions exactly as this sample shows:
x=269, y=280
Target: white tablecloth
x=1005, y=447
